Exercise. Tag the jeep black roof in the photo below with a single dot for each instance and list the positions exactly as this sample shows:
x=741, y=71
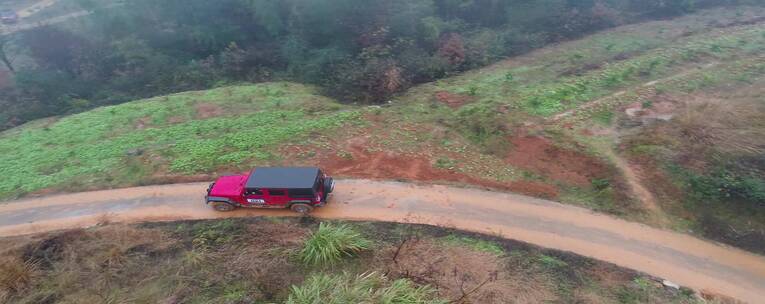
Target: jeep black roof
x=283, y=178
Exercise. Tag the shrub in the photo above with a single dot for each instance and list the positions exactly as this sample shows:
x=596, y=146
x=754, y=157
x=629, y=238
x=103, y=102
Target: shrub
x=329, y=244
x=722, y=184
x=484, y=125
x=473, y=91
x=601, y=184
x=604, y=117
x=445, y=163
x=551, y=261
x=365, y=288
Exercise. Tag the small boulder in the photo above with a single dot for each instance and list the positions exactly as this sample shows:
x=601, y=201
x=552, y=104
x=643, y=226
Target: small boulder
x=670, y=284
x=134, y=152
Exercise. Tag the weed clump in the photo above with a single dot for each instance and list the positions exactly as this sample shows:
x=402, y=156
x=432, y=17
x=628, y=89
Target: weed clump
x=215, y=234
x=330, y=243
x=365, y=288
x=474, y=244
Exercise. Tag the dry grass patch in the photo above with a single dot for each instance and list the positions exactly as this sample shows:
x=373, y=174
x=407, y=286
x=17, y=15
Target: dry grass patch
x=728, y=126
x=461, y=273
x=256, y=260
x=15, y=275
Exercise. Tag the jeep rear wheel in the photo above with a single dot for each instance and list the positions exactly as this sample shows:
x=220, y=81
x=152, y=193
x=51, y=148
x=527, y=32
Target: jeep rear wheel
x=221, y=206
x=301, y=208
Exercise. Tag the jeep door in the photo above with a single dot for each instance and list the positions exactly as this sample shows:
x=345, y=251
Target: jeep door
x=255, y=198
x=276, y=198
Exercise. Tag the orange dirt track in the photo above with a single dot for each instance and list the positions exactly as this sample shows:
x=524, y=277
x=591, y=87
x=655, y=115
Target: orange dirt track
x=680, y=258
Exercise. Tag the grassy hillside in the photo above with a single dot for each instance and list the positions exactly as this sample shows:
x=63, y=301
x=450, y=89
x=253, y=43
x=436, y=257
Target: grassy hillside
x=658, y=122
x=604, y=122
x=262, y=261
x=181, y=134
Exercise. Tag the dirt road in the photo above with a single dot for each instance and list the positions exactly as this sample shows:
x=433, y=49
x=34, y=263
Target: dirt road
x=679, y=258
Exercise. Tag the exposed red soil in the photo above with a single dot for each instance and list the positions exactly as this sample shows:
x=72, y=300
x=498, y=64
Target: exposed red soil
x=453, y=100
x=358, y=161
x=541, y=156
x=534, y=189
x=387, y=165
x=208, y=110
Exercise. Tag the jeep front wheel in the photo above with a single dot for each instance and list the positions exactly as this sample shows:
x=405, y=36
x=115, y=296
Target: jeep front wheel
x=221, y=206
x=301, y=208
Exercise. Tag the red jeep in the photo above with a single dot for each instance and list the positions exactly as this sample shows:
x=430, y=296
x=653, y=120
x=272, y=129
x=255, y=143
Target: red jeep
x=299, y=189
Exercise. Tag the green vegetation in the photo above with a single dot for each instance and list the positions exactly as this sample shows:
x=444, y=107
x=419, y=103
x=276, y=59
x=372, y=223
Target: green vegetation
x=543, y=98
x=445, y=163
x=331, y=243
x=551, y=261
x=604, y=117
x=475, y=244
x=215, y=234
x=194, y=132
x=726, y=184
x=641, y=291
x=364, y=288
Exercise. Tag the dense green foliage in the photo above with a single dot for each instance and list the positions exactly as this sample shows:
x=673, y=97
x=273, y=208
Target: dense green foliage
x=361, y=50
x=365, y=288
x=331, y=243
x=186, y=133
x=726, y=184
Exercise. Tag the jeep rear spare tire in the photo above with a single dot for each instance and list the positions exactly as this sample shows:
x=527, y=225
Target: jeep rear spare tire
x=221, y=206
x=329, y=185
x=301, y=208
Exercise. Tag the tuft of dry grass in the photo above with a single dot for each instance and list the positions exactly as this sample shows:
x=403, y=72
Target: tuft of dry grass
x=15, y=275
x=729, y=126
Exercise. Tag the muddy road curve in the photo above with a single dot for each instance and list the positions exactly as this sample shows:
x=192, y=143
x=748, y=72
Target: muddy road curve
x=683, y=259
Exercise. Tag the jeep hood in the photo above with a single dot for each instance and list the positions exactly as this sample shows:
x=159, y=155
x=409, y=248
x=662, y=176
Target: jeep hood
x=229, y=186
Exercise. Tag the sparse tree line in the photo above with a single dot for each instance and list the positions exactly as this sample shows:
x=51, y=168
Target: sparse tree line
x=356, y=50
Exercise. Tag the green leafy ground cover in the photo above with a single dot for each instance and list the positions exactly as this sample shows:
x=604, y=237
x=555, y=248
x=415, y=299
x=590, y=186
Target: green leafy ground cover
x=544, y=86
x=173, y=133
